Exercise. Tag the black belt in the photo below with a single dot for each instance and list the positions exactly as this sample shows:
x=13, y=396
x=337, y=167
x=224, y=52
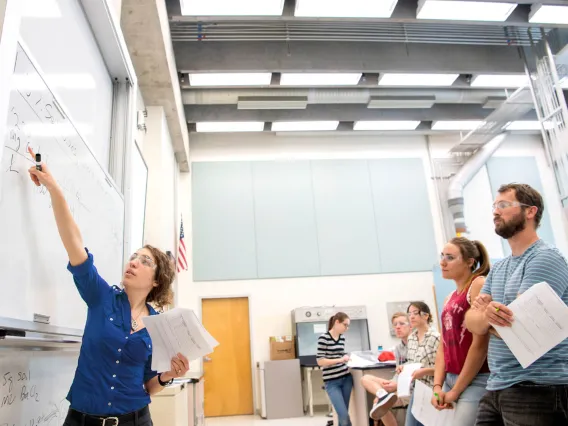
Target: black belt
x=89, y=420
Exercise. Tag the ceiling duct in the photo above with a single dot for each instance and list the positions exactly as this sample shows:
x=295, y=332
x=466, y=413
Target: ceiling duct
x=481, y=144
x=514, y=108
x=401, y=102
x=338, y=96
x=272, y=102
x=464, y=176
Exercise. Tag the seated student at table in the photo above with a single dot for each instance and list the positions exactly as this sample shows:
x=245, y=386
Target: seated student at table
x=461, y=363
x=423, y=345
x=385, y=389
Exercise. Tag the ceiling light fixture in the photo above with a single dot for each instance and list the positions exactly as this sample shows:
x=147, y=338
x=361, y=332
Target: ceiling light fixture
x=398, y=79
x=527, y=125
x=457, y=125
x=230, y=126
x=232, y=7
x=496, y=80
x=230, y=79
x=319, y=79
x=306, y=126
x=464, y=10
x=345, y=9
x=548, y=14
x=386, y=125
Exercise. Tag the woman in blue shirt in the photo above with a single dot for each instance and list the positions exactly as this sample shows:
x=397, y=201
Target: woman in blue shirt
x=114, y=380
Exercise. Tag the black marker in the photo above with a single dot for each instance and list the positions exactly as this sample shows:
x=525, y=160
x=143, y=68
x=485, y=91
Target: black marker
x=38, y=161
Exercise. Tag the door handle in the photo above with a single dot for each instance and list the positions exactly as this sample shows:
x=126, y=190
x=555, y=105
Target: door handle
x=207, y=359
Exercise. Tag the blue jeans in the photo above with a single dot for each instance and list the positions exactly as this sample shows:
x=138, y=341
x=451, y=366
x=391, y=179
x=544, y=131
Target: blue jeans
x=410, y=419
x=339, y=391
x=468, y=402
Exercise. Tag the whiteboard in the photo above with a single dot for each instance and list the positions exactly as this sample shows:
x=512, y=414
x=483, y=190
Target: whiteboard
x=34, y=385
x=34, y=278
x=59, y=36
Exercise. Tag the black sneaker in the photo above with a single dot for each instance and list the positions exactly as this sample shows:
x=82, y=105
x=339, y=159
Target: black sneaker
x=382, y=406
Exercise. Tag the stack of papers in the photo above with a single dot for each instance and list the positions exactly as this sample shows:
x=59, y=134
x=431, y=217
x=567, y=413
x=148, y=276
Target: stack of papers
x=424, y=411
x=177, y=331
x=405, y=378
x=356, y=361
x=540, y=323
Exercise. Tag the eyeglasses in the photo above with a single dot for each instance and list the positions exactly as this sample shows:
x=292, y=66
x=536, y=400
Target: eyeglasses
x=402, y=324
x=414, y=313
x=143, y=259
x=344, y=324
x=501, y=205
x=448, y=257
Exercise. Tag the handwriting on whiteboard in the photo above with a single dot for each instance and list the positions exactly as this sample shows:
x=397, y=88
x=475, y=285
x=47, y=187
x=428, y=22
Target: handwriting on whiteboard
x=37, y=121
x=17, y=387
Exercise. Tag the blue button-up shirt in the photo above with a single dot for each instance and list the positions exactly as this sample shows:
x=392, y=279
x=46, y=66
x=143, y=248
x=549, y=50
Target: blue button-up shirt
x=113, y=364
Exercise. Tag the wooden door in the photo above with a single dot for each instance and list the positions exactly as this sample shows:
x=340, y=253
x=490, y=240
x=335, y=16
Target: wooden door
x=227, y=373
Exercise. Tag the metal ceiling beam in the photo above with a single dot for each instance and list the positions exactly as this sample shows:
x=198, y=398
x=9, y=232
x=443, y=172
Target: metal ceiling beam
x=351, y=95
x=350, y=112
x=345, y=56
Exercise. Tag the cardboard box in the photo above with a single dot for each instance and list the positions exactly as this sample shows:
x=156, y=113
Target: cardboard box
x=281, y=348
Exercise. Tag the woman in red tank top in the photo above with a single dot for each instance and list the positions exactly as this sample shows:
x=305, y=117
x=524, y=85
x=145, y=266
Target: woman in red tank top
x=461, y=370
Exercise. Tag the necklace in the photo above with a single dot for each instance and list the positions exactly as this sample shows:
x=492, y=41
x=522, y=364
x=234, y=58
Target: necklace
x=134, y=322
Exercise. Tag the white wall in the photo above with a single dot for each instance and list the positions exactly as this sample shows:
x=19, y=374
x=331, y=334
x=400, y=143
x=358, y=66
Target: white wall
x=160, y=225
x=273, y=300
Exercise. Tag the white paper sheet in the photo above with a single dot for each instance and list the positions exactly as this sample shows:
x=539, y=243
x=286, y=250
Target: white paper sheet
x=358, y=361
x=540, y=323
x=177, y=331
x=424, y=411
x=405, y=378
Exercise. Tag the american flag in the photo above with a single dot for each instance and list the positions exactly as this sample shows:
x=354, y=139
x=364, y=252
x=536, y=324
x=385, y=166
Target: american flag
x=182, y=261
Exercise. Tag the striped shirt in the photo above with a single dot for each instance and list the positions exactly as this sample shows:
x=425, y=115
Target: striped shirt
x=330, y=348
x=423, y=352
x=513, y=276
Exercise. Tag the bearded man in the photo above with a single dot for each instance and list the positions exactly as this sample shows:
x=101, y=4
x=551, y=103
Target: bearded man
x=517, y=396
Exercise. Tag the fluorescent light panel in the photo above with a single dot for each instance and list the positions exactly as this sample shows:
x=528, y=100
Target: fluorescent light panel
x=456, y=125
x=345, y=8
x=230, y=79
x=319, y=79
x=230, y=126
x=464, y=10
x=398, y=79
x=548, y=14
x=306, y=126
x=232, y=7
x=386, y=125
x=495, y=80
x=523, y=125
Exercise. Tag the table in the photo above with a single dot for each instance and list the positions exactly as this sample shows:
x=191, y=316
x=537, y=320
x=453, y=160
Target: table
x=361, y=400
x=307, y=372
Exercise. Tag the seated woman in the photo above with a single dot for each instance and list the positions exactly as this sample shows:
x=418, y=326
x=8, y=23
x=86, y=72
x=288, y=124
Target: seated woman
x=382, y=388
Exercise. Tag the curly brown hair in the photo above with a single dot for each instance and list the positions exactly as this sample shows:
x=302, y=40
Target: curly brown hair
x=162, y=295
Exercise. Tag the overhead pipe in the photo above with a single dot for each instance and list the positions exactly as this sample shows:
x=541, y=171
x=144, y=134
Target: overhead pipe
x=458, y=183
